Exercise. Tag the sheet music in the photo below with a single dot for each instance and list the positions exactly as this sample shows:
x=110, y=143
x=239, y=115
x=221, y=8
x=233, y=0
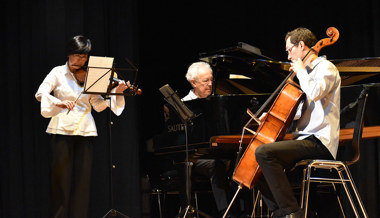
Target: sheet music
x=98, y=74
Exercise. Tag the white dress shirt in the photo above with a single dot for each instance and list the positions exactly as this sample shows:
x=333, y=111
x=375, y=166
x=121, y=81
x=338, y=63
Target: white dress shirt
x=319, y=114
x=79, y=121
x=190, y=96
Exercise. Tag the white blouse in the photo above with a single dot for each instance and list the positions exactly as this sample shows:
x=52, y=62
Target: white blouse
x=79, y=121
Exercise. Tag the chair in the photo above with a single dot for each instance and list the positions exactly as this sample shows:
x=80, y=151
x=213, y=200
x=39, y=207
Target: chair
x=340, y=167
x=164, y=188
x=168, y=185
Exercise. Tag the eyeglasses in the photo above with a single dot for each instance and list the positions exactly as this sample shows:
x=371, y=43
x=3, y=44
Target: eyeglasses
x=290, y=49
x=80, y=56
x=206, y=81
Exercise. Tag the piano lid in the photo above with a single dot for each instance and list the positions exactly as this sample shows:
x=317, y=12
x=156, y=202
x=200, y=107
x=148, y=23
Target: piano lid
x=243, y=69
x=358, y=70
x=242, y=51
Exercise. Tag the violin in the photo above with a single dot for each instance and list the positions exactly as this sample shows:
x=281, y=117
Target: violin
x=80, y=76
x=81, y=73
x=132, y=89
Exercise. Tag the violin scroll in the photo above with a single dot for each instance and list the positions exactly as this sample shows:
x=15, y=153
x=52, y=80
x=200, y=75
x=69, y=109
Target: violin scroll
x=131, y=90
x=333, y=35
x=134, y=90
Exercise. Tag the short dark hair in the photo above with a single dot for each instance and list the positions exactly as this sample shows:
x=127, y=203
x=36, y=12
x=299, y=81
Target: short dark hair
x=78, y=45
x=302, y=34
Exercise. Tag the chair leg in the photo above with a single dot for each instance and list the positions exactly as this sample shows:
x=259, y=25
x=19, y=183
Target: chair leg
x=259, y=201
x=196, y=202
x=303, y=187
x=339, y=201
x=346, y=170
x=255, y=203
x=306, y=189
x=348, y=194
x=158, y=193
x=341, y=169
x=159, y=203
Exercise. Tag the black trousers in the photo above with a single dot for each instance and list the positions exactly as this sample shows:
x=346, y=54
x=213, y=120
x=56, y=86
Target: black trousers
x=213, y=169
x=70, y=173
x=273, y=158
x=216, y=171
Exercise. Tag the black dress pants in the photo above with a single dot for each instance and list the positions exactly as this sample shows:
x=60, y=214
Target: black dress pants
x=70, y=172
x=216, y=171
x=273, y=158
x=213, y=169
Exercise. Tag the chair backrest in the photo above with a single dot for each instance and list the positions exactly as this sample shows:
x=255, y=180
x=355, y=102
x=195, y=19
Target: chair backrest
x=359, y=124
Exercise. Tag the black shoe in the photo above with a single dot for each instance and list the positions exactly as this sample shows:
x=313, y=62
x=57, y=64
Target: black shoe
x=245, y=215
x=298, y=214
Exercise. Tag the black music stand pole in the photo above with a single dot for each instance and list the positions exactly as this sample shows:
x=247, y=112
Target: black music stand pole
x=88, y=90
x=186, y=116
x=189, y=208
x=104, y=78
x=112, y=212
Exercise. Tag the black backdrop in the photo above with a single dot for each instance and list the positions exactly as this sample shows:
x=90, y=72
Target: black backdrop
x=161, y=38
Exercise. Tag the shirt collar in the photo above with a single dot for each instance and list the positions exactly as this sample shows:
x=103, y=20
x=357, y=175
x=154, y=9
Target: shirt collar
x=317, y=61
x=192, y=94
x=67, y=68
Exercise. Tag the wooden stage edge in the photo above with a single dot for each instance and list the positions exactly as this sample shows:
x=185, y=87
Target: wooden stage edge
x=345, y=135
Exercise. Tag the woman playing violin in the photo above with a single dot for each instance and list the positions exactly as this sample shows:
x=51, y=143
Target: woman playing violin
x=317, y=128
x=72, y=133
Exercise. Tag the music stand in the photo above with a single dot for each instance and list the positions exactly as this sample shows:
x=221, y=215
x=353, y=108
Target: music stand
x=186, y=116
x=100, y=80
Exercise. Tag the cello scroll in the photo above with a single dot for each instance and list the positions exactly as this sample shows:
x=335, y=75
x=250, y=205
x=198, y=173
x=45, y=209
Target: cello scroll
x=333, y=35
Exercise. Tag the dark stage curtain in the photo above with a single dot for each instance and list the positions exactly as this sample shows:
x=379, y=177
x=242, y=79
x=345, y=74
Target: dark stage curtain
x=161, y=38
x=33, y=40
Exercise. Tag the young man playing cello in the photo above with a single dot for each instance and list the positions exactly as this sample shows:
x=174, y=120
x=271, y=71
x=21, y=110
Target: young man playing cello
x=317, y=129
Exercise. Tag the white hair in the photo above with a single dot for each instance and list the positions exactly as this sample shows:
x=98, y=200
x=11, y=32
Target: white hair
x=193, y=70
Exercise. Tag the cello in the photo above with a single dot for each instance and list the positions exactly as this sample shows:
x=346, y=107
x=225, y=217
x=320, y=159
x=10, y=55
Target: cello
x=274, y=126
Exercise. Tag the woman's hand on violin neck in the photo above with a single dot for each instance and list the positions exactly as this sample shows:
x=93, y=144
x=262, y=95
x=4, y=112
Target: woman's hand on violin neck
x=122, y=86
